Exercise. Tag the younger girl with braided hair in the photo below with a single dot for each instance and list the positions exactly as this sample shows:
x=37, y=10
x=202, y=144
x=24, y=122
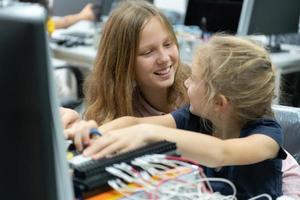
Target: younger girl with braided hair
x=229, y=127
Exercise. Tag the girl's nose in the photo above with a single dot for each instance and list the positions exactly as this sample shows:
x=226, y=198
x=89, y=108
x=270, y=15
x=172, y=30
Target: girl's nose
x=163, y=57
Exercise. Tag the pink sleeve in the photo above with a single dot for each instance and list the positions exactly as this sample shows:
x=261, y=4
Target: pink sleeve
x=290, y=177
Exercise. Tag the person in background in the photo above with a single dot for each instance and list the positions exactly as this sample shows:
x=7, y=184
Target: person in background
x=87, y=13
x=291, y=177
x=229, y=127
x=137, y=71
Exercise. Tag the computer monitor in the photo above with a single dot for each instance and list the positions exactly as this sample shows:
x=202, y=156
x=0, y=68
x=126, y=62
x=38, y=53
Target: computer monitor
x=33, y=162
x=269, y=17
x=214, y=15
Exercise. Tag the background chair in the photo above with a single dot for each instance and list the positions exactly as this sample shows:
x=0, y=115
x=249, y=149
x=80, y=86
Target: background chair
x=289, y=119
x=73, y=84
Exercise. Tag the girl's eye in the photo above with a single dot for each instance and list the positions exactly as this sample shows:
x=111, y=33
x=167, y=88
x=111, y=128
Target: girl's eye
x=167, y=44
x=146, y=52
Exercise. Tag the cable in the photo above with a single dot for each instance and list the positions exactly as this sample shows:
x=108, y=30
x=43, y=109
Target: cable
x=167, y=178
x=260, y=196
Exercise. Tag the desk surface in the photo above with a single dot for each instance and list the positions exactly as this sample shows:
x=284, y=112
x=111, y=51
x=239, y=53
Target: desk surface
x=82, y=56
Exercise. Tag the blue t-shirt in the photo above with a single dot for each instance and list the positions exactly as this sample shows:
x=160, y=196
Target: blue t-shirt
x=249, y=180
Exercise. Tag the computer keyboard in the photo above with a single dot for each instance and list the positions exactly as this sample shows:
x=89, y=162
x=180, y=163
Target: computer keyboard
x=77, y=34
x=71, y=39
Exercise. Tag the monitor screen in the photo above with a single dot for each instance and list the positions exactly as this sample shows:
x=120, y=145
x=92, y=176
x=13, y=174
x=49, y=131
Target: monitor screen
x=269, y=17
x=33, y=152
x=214, y=15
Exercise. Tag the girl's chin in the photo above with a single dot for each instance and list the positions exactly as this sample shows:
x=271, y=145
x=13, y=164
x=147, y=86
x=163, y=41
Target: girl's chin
x=167, y=83
x=193, y=111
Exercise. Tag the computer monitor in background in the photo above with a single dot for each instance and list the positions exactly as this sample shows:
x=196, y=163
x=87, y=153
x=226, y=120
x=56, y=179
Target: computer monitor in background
x=33, y=162
x=214, y=15
x=269, y=17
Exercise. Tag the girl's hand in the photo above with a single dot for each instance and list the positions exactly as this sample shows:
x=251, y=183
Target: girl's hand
x=87, y=12
x=68, y=117
x=79, y=132
x=117, y=141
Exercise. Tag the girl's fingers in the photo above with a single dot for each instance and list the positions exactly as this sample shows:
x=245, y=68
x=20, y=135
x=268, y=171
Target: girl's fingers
x=68, y=134
x=124, y=150
x=110, y=150
x=68, y=116
x=98, y=145
x=86, y=127
x=80, y=133
x=81, y=137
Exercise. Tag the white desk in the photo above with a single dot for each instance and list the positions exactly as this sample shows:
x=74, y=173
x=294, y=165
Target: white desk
x=81, y=56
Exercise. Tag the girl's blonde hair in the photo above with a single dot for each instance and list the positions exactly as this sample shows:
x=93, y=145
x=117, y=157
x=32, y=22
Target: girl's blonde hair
x=110, y=86
x=240, y=70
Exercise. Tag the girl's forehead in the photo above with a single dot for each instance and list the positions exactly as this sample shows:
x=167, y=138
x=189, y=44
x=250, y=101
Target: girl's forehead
x=152, y=27
x=154, y=22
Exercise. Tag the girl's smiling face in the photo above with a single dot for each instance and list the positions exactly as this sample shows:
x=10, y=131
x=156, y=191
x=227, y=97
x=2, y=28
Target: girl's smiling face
x=157, y=58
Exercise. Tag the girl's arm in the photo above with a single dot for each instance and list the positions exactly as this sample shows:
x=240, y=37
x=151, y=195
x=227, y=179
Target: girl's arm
x=79, y=132
x=122, y=122
x=68, y=117
x=85, y=14
x=207, y=150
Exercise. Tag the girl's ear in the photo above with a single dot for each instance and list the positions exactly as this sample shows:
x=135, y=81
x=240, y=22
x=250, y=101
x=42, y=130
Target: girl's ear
x=221, y=102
